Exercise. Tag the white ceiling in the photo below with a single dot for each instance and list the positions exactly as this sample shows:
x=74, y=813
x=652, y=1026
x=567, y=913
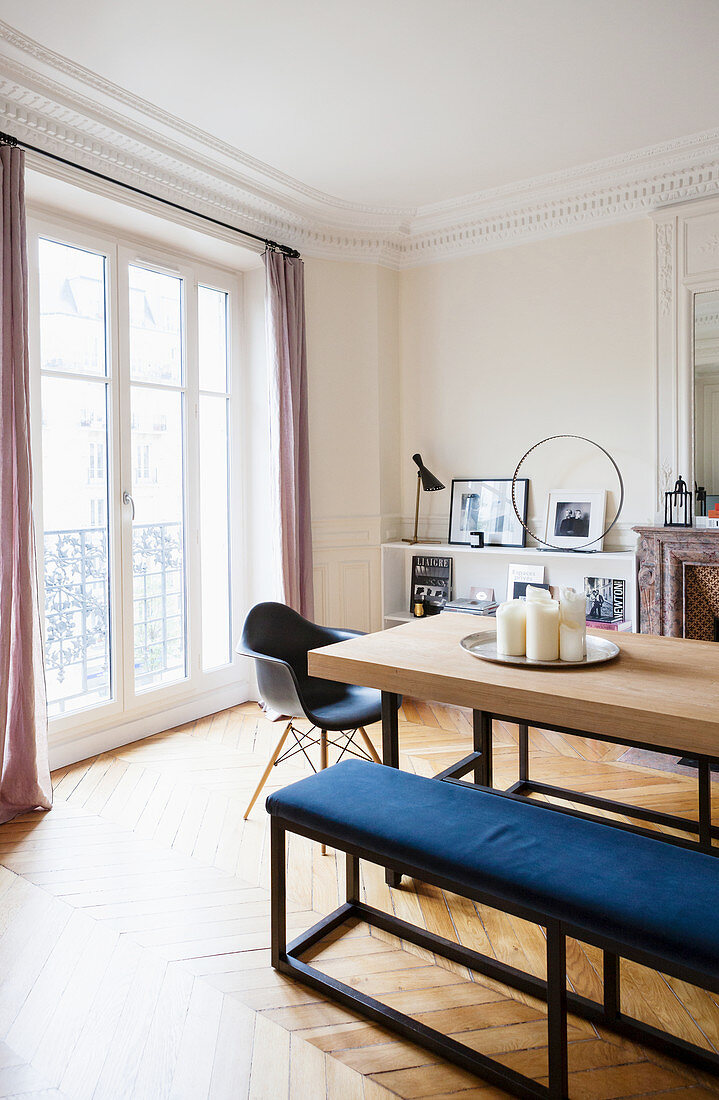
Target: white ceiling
x=401, y=103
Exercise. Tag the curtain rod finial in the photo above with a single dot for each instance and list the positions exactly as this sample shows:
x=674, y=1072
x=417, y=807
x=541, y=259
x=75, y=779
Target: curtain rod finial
x=8, y=139
x=273, y=246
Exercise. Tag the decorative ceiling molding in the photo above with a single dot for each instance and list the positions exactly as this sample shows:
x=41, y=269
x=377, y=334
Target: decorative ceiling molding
x=65, y=109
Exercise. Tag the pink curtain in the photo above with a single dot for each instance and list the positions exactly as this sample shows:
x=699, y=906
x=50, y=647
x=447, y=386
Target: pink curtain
x=285, y=311
x=24, y=775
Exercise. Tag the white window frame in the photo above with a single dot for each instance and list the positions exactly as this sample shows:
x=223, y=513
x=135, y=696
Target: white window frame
x=128, y=706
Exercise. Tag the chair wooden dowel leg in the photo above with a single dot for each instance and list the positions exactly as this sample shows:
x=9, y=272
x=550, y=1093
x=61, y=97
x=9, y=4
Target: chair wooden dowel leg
x=265, y=775
x=368, y=744
x=323, y=765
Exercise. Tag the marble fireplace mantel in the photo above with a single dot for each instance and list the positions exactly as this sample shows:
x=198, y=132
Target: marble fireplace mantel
x=663, y=554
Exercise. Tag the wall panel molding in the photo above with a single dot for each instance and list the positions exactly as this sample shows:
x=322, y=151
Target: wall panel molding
x=64, y=108
x=337, y=531
x=347, y=571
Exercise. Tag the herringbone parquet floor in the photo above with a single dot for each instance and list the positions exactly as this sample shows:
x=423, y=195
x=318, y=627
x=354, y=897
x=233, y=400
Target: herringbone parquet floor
x=134, y=937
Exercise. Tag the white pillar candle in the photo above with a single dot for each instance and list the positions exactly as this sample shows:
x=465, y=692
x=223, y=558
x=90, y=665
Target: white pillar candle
x=572, y=625
x=542, y=630
x=571, y=643
x=534, y=593
x=511, y=628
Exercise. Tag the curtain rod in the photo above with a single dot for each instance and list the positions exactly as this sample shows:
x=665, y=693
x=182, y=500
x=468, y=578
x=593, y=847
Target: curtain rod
x=273, y=246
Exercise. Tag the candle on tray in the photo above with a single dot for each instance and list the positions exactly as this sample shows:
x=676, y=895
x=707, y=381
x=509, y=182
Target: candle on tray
x=534, y=593
x=511, y=628
x=542, y=628
x=572, y=625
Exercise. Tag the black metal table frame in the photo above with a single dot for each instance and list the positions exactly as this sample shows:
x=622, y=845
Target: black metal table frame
x=479, y=762
x=553, y=990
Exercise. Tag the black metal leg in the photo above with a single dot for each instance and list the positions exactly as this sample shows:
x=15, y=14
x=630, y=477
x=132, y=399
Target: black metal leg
x=612, y=995
x=553, y=991
x=278, y=893
x=482, y=740
x=390, y=729
x=523, y=752
x=390, y=752
x=705, y=803
x=478, y=770
x=352, y=878
x=557, y=1011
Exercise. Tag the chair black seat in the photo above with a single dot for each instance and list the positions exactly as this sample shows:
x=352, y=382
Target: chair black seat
x=644, y=893
x=333, y=706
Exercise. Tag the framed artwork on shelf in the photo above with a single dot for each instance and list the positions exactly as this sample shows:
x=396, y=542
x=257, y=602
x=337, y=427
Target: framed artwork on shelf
x=485, y=504
x=574, y=519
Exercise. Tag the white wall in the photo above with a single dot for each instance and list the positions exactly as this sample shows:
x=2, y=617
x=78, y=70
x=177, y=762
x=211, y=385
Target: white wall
x=352, y=350
x=504, y=348
x=471, y=361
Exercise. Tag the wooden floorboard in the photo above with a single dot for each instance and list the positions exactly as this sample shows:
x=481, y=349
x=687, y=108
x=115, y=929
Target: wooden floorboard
x=134, y=938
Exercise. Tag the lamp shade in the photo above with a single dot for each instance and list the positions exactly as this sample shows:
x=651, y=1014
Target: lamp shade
x=430, y=483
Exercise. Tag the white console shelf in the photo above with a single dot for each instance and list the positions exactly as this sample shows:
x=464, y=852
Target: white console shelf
x=488, y=568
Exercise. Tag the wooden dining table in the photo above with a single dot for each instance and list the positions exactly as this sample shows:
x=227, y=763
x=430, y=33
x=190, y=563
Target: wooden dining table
x=660, y=694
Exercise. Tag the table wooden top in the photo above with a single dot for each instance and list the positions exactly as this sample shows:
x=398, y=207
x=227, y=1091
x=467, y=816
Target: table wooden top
x=658, y=691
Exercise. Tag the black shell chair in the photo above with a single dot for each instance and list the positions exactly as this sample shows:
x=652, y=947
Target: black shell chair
x=279, y=639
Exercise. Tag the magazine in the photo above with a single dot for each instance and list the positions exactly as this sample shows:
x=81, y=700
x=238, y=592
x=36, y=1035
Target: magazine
x=471, y=607
x=519, y=576
x=431, y=578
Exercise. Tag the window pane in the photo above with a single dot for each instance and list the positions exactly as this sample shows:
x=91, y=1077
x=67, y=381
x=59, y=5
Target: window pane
x=214, y=532
x=77, y=608
x=212, y=322
x=158, y=557
x=72, y=309
x=155, y=326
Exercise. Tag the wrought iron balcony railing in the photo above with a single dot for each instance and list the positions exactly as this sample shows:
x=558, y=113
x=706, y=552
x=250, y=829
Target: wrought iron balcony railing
x=77, y=611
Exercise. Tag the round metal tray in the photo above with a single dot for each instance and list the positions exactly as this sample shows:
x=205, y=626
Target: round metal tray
x=598, y=650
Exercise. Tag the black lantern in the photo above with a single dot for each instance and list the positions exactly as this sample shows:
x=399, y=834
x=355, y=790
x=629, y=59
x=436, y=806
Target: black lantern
x=678, y=505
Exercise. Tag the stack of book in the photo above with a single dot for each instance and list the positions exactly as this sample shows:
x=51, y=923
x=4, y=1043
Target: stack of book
x=472, y=607
x=605, y=603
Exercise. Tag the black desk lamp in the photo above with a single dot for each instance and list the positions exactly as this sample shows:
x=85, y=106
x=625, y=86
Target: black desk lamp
x=430, y=484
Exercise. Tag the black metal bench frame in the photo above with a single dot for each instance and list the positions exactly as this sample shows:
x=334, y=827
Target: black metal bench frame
x=559, y=1000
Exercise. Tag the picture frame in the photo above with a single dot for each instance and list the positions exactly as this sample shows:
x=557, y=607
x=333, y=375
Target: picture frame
x=485, y=504
x=575, y=518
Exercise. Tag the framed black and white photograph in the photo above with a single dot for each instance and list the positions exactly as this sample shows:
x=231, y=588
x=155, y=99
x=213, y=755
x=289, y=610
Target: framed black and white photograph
x=574, y=519
x=485, y=505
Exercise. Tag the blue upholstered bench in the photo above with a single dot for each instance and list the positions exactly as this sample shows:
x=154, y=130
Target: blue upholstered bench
x=631, y=896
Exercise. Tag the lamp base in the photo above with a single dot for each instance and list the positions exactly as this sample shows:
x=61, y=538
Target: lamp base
x=413, y=542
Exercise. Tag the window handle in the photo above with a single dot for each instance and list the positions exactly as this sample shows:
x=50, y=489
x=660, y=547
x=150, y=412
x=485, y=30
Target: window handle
x=127, y=499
